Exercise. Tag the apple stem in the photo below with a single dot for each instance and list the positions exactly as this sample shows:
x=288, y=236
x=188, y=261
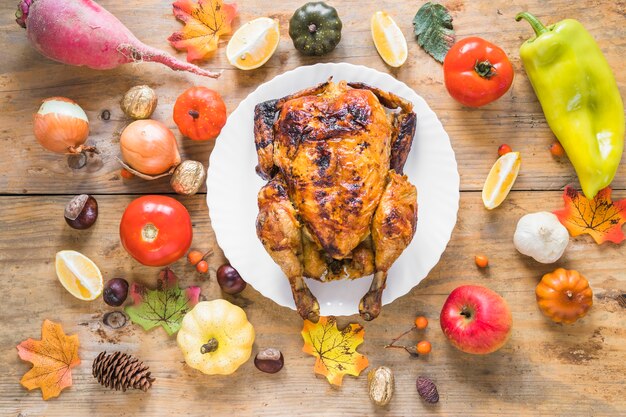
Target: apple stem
x=465, y=312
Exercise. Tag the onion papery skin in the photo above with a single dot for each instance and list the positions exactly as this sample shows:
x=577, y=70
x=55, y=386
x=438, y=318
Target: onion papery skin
x=61, y=125
x=149, y=147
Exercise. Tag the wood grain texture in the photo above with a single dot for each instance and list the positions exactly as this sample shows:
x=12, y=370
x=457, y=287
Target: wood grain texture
x=516, y=119
x=545, y=369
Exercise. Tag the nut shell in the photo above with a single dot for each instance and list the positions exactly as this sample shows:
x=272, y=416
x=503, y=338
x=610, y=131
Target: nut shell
x=81, y=212
x=427, y=389
x=115, y=319
x=380, y=385
x=139, y=102
x=269, y=360
x=188, y=177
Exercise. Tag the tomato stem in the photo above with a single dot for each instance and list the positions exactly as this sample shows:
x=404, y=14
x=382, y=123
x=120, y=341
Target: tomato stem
x=312, y=28
x=149, y=232
x=194, y=114
x=485, y=69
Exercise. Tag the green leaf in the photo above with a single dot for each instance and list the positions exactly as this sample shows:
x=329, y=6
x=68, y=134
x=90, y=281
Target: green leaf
x=433, y=27
x=164, y=306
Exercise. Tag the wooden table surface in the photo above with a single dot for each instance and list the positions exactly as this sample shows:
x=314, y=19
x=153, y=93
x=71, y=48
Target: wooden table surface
x=545, y=369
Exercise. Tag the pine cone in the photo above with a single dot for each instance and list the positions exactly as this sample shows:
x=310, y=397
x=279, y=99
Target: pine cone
x=121, y=371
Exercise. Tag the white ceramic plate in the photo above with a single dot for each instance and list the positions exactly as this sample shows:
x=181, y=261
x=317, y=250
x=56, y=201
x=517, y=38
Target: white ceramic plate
x=233, y=186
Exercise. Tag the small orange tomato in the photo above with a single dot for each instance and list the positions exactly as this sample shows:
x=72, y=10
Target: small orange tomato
x=421, y=322
x=504, y=149
x=481, y=261
x=557, y=150
x=200, y=113
x=423, y=347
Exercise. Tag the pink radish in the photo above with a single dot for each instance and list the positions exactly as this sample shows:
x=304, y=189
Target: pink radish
x=81, y=32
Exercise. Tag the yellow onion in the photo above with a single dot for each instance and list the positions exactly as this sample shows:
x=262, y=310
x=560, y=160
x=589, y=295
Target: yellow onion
x=149, y=147
x=61, y=126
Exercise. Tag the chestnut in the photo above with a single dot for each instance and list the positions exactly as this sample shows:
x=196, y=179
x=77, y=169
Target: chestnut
x=81, y=212
x=115, y=292
x=229, y=279
x=269, y=360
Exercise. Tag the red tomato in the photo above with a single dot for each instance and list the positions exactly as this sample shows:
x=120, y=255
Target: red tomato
x=156, y=230
x=477, y=72
x=200, y=113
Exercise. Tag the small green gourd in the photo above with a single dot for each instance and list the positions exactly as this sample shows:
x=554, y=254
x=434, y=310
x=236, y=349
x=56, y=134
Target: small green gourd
x=315, y=28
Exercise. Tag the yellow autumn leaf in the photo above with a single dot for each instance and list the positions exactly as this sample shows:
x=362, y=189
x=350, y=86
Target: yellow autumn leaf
x=53, y=358
x=334, y=349
x=205, y=21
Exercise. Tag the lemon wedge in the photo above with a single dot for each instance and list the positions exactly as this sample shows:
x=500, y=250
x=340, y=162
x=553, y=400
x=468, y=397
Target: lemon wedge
x=388, y=39
x=501, y=179
x=253, y=44
x=79, y=275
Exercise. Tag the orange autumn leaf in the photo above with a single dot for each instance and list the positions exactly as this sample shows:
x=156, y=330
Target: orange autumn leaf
x=53, y=358
x=601, y=217
x=205, y=21
x=334, y=349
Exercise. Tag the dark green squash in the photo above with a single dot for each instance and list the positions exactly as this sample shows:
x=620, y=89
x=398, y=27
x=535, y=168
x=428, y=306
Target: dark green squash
x=315, y=28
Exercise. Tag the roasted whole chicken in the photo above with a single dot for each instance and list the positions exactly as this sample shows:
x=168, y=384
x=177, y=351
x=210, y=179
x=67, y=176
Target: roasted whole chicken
x=336, y=204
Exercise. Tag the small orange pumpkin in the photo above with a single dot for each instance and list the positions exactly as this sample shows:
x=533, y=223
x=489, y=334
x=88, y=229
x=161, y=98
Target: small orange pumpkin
x=564, y=295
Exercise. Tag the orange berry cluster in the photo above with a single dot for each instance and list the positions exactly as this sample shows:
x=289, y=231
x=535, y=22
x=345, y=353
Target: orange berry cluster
x=423, y=347
x=197, y=258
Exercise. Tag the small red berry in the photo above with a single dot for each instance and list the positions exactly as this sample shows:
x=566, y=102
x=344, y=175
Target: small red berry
x=202, y=267
x=557, y=150
x=504, y=149
x=481, y=261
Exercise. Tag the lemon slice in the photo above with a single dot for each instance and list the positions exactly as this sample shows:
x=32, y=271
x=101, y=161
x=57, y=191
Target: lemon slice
x=500, y=179
x=79, y=275
x=253, y=44
x=389, y=40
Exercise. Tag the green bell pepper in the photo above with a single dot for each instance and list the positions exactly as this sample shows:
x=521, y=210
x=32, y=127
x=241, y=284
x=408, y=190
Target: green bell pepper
x=579, y=97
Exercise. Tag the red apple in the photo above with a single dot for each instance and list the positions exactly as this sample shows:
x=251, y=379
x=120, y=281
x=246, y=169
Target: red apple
x=476, y=319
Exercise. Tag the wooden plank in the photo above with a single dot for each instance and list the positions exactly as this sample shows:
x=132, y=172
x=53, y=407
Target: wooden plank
x=26, y=78
x=544, y=370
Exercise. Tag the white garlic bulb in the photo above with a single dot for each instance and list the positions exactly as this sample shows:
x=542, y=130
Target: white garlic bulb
x=541, y=236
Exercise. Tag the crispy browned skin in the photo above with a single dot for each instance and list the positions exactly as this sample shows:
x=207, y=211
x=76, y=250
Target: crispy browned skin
x=279, y=231
x=332, y=152
x=393, y=227
x=335, y=172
